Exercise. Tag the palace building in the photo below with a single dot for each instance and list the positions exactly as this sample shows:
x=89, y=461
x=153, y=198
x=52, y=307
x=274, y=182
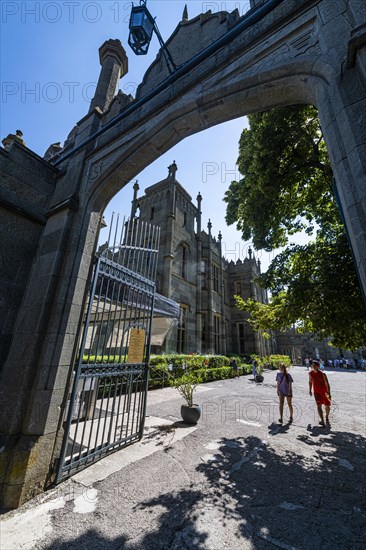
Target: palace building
x=193, y=272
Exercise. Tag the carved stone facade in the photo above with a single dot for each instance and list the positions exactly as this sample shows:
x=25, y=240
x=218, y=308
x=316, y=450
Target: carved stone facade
x=192, y=271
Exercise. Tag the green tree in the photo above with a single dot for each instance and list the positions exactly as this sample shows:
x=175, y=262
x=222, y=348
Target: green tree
x=287, y=187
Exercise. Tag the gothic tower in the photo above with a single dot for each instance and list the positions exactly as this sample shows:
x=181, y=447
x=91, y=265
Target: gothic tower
x=192, y=271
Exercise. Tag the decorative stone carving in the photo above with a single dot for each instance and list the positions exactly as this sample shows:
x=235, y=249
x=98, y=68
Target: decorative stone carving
x=304, y=42
x=97, y=168
x=53, y=150
x=10, y=138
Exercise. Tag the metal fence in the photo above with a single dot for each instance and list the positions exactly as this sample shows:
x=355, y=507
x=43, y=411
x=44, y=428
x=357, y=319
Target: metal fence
x=106, y=406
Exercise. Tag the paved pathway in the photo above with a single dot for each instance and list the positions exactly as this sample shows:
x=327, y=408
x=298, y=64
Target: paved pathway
x=236, y=481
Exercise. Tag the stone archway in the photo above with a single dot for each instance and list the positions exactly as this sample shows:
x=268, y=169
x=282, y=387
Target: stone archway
x=297, y=51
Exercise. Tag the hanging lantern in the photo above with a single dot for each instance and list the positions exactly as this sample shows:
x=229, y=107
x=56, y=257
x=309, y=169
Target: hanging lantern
x=141, y=28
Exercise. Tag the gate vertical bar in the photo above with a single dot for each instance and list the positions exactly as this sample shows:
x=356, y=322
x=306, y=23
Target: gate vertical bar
x=78, y=369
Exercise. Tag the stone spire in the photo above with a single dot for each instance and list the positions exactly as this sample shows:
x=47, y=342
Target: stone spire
x=219, y=238
x=199, y=214
x=172, y=170
x=114, y=62
x=136, y=187
x=185, y=13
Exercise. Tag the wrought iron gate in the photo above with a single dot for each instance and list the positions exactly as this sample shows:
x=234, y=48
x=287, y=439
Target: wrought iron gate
x=106, y=407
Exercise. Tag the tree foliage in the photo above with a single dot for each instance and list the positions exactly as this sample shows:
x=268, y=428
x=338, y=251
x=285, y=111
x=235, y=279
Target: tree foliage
x=287, y=187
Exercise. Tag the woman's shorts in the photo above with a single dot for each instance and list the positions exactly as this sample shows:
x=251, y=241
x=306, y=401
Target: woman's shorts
x=322, y=399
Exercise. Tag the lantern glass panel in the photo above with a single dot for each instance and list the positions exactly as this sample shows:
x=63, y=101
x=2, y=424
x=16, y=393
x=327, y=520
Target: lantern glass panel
x=142, y=22
x=141, y=30
x=148, y=24
x=137, y=18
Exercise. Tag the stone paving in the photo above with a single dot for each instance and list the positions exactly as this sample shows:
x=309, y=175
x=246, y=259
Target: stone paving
x=237, y=480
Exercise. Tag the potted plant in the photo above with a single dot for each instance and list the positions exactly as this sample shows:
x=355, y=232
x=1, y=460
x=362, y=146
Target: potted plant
x=186, y=384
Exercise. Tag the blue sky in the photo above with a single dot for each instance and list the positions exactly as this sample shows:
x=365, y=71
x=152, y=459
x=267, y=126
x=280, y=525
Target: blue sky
x=50, y=65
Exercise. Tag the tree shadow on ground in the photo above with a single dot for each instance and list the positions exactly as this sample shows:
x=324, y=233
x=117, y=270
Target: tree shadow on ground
x=310, y=500
x=175, y=519
x=91, y=540
x=261, y=496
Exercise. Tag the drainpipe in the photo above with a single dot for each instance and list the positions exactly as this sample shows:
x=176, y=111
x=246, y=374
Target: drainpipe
x=222, y=285
x=169, y=252
x=199, y=278
x=210, y=327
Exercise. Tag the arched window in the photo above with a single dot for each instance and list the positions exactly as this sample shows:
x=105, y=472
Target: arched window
x=238, y=289
x=203, y=274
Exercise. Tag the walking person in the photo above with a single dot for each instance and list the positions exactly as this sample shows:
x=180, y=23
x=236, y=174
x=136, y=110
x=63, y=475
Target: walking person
x=284, y=390
x=254, y=369
x=318, y=383
x=234, y=366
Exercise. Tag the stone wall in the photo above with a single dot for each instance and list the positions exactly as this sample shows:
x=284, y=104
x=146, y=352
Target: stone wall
x=27, y=182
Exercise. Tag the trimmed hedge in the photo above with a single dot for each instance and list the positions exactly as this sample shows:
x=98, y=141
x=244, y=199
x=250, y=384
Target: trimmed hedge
x=164, y=368
x=190, y=361
x=196, y=361
x=276, y=360
x=272, y=362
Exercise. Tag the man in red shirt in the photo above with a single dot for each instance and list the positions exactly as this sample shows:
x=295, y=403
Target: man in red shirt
x=318, y=382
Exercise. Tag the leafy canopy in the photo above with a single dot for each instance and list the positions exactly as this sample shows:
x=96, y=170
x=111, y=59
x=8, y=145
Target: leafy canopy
x=287, y=187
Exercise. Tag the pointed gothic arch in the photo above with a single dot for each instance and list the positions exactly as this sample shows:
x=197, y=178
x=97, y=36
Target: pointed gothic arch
x=283, y=53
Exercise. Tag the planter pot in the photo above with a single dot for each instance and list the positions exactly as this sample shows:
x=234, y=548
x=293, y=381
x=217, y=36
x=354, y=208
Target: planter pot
x=259, y=378
x=190, y=415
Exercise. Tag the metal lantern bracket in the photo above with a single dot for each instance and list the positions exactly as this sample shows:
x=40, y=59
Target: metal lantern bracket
x=142, y=25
